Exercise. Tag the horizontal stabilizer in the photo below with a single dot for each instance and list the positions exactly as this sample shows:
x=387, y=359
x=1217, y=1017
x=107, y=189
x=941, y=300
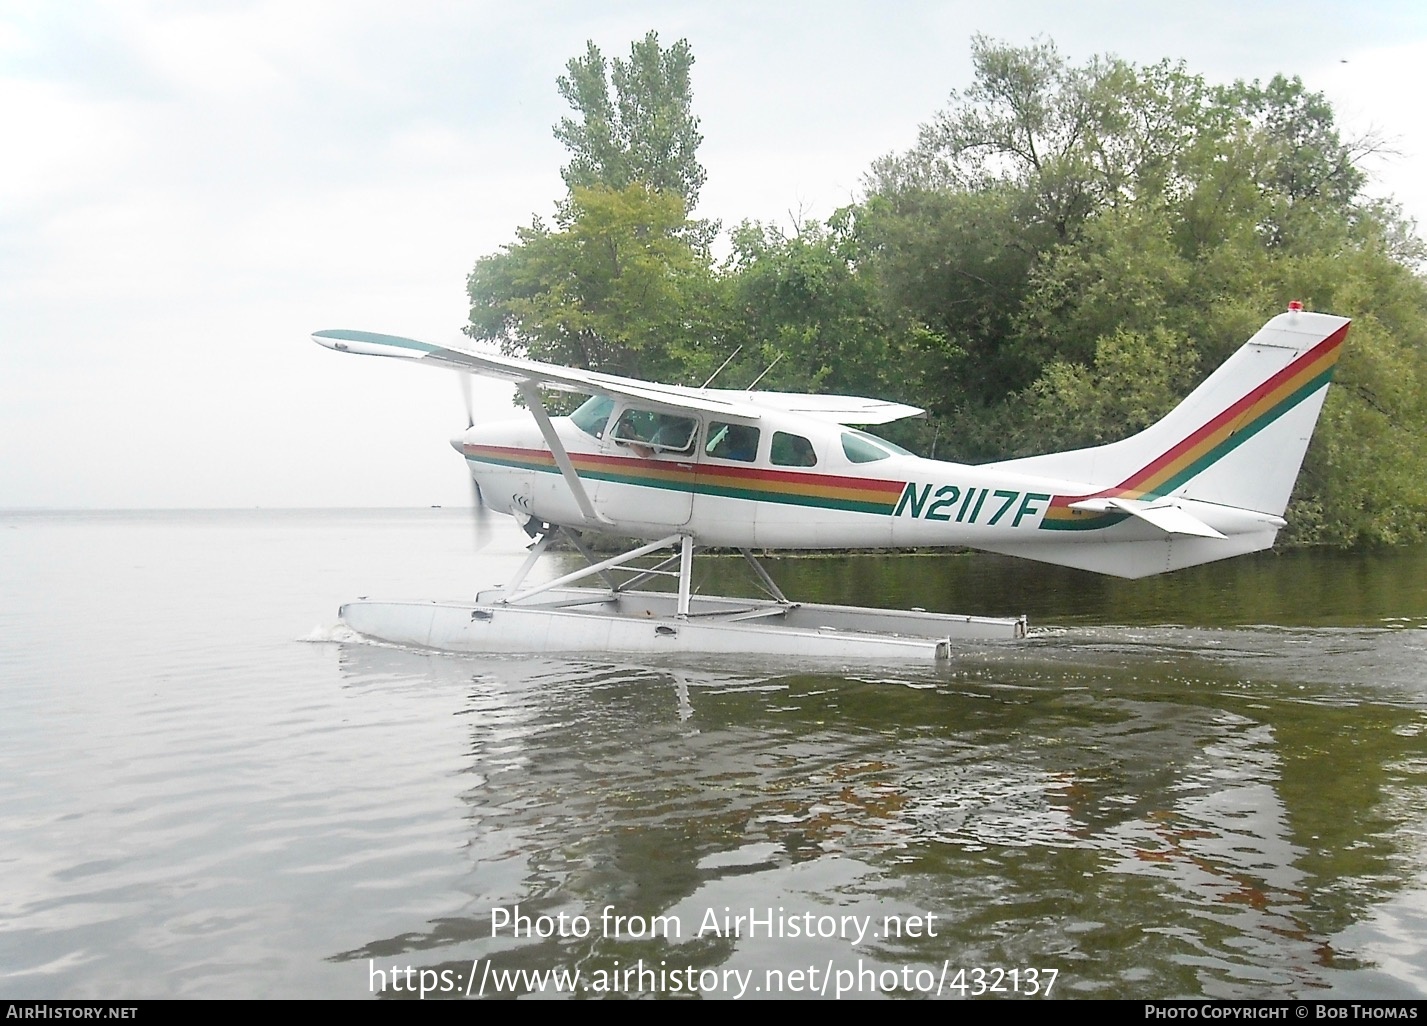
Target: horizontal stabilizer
x=1169, y=517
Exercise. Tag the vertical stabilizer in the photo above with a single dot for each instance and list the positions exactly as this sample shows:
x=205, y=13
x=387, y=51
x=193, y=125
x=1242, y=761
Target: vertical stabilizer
x=1237, y=440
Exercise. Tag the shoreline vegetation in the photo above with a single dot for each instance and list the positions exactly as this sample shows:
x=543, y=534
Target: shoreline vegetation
x=1062, y=253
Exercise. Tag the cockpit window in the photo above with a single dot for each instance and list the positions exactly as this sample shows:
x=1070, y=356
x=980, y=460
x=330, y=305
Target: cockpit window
x=655, y=432
x=860, y=447
x=732, y=442
x=593, y=415
x=790, y=450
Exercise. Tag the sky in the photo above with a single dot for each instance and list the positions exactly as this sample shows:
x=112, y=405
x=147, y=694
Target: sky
x=189, y=189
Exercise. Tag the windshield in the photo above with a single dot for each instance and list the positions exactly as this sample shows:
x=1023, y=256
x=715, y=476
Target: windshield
x=593, y=415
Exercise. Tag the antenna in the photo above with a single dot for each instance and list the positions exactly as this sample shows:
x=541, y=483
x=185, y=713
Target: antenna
x=760, y=377
x=721, y=366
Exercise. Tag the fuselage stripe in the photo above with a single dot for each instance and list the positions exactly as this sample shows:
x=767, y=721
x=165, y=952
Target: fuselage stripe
x=828, y=491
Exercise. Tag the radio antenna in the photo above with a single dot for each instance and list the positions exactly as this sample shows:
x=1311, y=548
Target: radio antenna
x=721, y=366
x=760, y=377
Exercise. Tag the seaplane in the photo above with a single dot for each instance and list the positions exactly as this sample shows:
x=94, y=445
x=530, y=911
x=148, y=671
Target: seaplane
x=675, y=469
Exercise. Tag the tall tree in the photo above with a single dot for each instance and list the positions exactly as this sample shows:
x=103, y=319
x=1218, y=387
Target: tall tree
x=623, y=282
x=1073, y=140
x=616, y=285
x=646, y=132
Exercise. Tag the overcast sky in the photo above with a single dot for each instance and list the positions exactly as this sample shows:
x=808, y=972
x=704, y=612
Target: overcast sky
x=188, y=190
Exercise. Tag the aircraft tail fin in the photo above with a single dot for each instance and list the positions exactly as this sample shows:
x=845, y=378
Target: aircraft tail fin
x=1212, y=478
x=1237, y=440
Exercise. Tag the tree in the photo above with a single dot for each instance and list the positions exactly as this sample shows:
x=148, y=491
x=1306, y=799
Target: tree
x=799, y=299
x=646, y=133
x=1087, y=241
x=1074, y=141
x=615, y=286
x=1304, y=165
x=623, y=282
x=1134, y=380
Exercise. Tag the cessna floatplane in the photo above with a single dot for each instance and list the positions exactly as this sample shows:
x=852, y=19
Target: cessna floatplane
x=681, y=468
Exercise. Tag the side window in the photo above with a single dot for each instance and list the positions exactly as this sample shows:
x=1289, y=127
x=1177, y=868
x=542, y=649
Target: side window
x=858, y=448
x=593, y=415
x=792, y=451
x=674, y=434
x=634, y=426
x=647, y=432
x=732, y=442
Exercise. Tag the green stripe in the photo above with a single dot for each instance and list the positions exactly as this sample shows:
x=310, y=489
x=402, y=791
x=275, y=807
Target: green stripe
x=794, y=499
x=1089, y=523
x=699, y=488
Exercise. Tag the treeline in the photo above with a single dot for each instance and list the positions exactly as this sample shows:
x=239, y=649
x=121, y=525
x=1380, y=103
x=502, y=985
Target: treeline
x=1061, y=256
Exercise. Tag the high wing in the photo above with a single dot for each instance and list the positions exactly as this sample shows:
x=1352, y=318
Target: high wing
x=835, y=409
x=528, y=374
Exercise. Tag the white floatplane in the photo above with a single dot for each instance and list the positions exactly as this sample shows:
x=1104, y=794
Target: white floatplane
x=680, y=468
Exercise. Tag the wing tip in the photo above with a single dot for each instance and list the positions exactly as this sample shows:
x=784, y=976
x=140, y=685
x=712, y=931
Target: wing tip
x=371, y=343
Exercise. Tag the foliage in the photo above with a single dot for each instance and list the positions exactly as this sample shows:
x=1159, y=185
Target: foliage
x=646, y=133
x=1134, y=380
x=1154, y=221
x=616, y=286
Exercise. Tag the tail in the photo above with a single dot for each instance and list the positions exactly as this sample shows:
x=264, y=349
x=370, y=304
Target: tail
x=1210, y=480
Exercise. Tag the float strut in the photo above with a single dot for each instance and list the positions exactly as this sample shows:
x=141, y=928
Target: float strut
x=686, y=573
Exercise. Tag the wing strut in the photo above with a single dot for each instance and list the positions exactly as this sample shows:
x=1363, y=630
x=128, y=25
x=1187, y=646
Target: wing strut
x=768, y=582
x=557, y=449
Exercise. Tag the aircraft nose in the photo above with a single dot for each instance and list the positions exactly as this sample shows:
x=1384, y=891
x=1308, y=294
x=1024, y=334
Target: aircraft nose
x=491, y=433
x=466, y=437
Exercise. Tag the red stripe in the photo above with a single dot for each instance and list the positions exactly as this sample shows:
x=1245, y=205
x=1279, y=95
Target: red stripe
x=740, y=475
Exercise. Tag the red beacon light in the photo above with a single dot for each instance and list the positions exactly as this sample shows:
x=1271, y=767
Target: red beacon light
x=1295, y=306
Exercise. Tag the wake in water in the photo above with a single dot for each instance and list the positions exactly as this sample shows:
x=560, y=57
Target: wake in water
x=1378, y=662
x=335, y=632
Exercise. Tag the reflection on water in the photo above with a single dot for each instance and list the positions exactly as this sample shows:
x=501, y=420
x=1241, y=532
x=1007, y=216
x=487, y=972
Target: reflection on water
x=1156, y=796
x=1145, y=818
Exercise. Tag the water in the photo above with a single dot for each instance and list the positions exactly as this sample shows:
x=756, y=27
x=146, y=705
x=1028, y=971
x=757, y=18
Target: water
x=208, y=789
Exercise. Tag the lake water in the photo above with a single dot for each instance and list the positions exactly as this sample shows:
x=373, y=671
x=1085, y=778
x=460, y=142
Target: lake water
x=1208, y=784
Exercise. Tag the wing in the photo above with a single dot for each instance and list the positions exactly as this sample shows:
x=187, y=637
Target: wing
x=839, y=409
x=836, y=409
x=523, y=373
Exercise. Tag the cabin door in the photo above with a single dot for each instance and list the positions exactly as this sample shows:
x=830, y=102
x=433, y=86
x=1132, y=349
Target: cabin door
x=647, y=467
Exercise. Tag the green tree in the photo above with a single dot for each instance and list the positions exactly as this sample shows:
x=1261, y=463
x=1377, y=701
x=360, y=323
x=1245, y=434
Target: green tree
x=1073, y=141
x=1088, y=241
x=958, y=263
x=616, y=285
x=799, y=299
x=623, y=281
x=645, y=133
x=1134, y=379
x=1306, y=170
